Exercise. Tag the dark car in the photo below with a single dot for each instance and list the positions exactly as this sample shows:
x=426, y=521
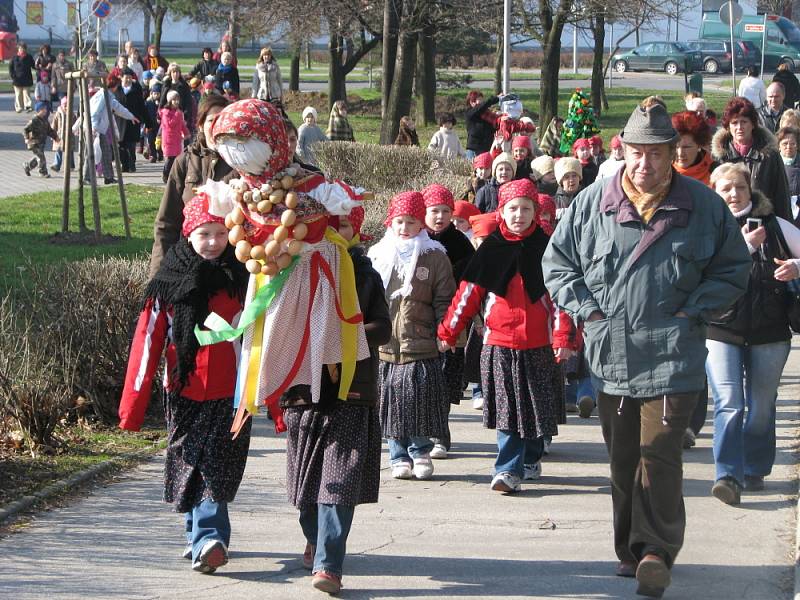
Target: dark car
x=670, y=57
x=717, y=55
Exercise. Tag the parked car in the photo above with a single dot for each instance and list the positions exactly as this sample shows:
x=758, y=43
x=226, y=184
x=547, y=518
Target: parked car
x=783, y=36
x=717, y=55
x=670, y=57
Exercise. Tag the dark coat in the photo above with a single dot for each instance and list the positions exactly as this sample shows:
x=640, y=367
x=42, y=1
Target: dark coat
x=192, y=168
x=480, y=133
x=19, y=68
x=589, y=173
x=759, y=316
x=204, y=68
x=222, y=75
x=791, y=85
x=459, y=249
x=765, y=163
x=134, y=101
x=486, y=200
x=770, y=121
x=793, y=175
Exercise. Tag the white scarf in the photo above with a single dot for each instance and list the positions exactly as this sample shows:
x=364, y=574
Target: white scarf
x=393, y=253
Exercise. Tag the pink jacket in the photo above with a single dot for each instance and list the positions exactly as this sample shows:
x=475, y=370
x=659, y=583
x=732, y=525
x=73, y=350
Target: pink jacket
x=173, y=131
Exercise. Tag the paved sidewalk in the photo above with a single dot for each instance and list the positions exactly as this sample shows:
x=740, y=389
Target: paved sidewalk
x=13, y=153
x=450, y=537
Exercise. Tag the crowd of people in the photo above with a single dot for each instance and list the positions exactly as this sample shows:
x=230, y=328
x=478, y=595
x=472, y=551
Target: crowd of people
x=550, y=284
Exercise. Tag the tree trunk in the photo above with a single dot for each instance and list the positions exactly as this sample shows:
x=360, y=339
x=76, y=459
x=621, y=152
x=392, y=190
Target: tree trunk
x=399, y=103
x=294, y=68
x=498, y=64
x=427, y=62
x=551, y=63
x=392, y=10
x=234, y=27
x=598, y=81
x=336, y=76
x=146, y=32
x=158, y=25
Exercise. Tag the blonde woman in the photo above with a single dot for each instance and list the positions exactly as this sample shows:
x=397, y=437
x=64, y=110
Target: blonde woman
x=267, y=84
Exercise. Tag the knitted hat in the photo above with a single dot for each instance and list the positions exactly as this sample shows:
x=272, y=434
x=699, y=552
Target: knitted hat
x=172, y=94
x=465, y=210
x=195, y=213
x=436, y=194
x=309, y=110
x=482, y=161
x=504, y=157
x=542, y=165
x=147, y=75
x=566, y=165
x=651, y=125
x=406, y=203
x=521, y=141
x=156, y=87
x=40, y=105
x=483, y=225
x=519, y=188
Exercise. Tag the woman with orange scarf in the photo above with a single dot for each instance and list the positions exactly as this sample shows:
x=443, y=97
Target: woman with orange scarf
x=692, y=157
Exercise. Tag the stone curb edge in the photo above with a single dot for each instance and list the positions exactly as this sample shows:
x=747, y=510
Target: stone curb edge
x=76, y=480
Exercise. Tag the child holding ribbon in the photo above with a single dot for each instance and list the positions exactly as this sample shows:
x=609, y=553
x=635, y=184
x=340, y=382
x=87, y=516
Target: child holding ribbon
x=419, y=284
x=204, y=467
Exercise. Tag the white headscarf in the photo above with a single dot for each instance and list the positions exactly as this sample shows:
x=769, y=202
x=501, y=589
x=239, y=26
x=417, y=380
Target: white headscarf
x=393, y=253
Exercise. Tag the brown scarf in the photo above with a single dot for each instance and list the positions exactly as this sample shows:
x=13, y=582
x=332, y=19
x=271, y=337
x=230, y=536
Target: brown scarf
x=646, y=203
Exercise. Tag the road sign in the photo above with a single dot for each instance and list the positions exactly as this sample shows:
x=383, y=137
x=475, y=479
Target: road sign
x=755, y=28
x=101, y=8
x=730, y=13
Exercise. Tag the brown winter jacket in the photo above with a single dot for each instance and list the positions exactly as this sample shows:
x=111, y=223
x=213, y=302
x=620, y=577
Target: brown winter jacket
x=191, y=169
x=37, y=131
x=416, y=316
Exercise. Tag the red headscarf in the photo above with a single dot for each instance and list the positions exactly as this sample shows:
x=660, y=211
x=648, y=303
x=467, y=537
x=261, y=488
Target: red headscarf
x=483, y=225
x=482, y=161
x=518, y=188
x=465, y=210
x=436, y=194
x=406, y=203
x=521, y=141
x=546, y=207
x=195, y=213
x=253, y=118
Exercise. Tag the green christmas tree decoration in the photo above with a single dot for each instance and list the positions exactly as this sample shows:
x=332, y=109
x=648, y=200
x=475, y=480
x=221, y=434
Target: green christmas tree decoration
x=581, y=122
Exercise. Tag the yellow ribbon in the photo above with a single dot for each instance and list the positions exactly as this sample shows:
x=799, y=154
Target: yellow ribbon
x=254, y=364
x=348, y=298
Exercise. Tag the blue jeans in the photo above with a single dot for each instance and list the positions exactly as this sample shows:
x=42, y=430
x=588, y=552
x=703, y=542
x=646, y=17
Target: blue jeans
x=514, y=452
x=207, y=521
x=744, y=382
x=406, y=449
x=327, y=526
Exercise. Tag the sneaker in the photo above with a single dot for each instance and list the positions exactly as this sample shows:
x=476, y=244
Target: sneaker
x=585, y=407
x=213, y=555
x=187, y=552
x=506, y=482
x=401, y=471
x=423, y=468
x=477, y=402
x=727, y=490
x=533, y=471
x=688, y=439
x=327, y=582
x=438, y=451
x=572, y=408
x=753, y=483
x=308, y=556
x=27, y=169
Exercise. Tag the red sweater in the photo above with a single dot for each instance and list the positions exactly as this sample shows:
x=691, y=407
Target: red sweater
x=511, y=321
x=214, y=377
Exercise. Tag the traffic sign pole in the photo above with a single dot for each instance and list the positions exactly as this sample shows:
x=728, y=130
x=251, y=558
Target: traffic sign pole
x=733, y=59
x=763, y=44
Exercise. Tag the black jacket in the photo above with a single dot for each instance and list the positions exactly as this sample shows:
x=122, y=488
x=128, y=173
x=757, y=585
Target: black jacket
x=486, y=200
x=459, y=248
x=480, y=134
x=791, y=85
x=134, y=102
x=759, y=316
x=378, y=329
x=767, y=173
x=19, y=68
x=204, y=68
x=524, y=170
x=589, y=173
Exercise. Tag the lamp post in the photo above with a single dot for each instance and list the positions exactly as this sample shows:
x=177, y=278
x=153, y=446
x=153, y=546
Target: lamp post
x=506, y=46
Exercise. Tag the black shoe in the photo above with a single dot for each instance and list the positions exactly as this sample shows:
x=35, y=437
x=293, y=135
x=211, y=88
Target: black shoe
x=753, y=483
x=727, y=490
x=110, y=181
x=27, y=169
x=689, y=439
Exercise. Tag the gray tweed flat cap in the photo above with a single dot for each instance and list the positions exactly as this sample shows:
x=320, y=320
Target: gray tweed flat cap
x=651, y=125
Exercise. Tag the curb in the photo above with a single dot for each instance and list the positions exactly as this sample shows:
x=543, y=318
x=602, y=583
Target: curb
x=26, y=502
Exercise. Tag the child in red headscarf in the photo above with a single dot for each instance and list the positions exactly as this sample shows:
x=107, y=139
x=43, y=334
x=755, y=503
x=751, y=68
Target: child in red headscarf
x=204, y=466
x=582, y=150
x=482, y=172
x=522, y=387
x=418, y=279
x=522, y=152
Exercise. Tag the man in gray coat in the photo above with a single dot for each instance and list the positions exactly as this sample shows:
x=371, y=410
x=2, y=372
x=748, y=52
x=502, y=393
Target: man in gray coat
x=641, y=260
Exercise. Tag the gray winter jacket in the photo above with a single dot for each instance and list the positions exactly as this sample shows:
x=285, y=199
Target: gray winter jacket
x=691, y=257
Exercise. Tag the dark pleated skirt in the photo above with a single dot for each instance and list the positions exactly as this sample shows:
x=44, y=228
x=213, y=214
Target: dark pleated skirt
x=453, y=371
x=333, y=455
x=203, y=462
x=412, y=397
x=472, y=357
x=522, y=390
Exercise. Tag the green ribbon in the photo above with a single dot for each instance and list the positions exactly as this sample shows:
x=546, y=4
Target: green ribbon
x=221, y=330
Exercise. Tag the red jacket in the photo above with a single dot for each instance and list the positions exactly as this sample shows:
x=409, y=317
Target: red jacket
x=511, y=321
x=214, y=377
